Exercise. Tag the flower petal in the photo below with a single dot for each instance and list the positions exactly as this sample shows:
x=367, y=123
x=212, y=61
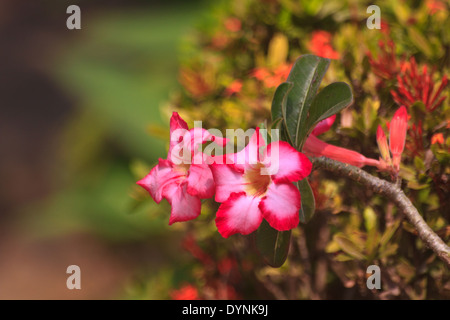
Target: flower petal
x=280, y=206
x=200, y=181
x=285, y=163
x=239, y=214
x=160, y=178
x=200, y=135
x=184, y=206
x=227, y=180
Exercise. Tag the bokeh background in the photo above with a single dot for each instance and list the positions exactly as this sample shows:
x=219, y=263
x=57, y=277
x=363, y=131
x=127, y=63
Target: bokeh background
x=74, y=110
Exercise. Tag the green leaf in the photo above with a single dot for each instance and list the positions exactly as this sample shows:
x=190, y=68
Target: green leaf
x=349, y=247
x=306, y=76
x=388, y=234
x=329, y=101
x=279, y=100
x=273, y=245
x=308, y=202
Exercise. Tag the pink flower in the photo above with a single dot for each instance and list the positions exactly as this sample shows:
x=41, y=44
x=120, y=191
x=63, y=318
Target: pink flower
x=318, y=148
x=184, y=177
x=437, y=138
x=250, y=190
x=383, y=145
x=272, y=77
x=397, y=135
x=324, y=125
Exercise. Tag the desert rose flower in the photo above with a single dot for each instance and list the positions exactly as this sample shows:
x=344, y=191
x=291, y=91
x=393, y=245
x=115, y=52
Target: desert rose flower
x=250, y=190
x=184, y=177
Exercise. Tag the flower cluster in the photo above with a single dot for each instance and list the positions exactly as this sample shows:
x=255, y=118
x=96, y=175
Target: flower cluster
x=251, y=185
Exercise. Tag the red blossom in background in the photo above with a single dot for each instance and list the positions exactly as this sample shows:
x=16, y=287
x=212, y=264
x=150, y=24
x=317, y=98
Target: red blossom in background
x=186, y=292
x=318, y=148
x=182, y=184
x=415, y=145
x=397, y=135
x=383, y=145
x=233, y=88
x=414, y=86
x=320, y=45
x=195, y=83
x=385, y=27
x=190, y=244
x=434, y=6
x=233, y=24
x=386, y=66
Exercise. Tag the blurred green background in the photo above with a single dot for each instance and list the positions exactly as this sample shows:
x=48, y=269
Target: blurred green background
x=75, y=111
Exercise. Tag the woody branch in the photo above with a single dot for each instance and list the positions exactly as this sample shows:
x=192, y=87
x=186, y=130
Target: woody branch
x=393, y=193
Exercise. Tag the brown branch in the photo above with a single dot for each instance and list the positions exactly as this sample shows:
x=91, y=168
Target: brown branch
x=393, y=193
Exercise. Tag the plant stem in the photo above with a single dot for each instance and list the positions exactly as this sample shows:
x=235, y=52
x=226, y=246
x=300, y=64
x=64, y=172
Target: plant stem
x=393, y=193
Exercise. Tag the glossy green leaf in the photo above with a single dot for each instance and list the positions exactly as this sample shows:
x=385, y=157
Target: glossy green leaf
x=308, y=206
x=273, y=245
x=329, y=101
x=306, y=76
